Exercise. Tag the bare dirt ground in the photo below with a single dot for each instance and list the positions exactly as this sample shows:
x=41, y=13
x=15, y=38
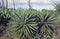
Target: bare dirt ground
x=2, y=37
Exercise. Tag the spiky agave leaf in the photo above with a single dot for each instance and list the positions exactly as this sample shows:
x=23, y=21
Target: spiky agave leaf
x=46, y=23
x=25, y=24
x=4, y=20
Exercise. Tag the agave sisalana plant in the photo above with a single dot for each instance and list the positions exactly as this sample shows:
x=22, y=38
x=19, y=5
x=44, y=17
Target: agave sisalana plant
x=4, y=20
x=33, y=24
x=25, y=24
x=46, y=25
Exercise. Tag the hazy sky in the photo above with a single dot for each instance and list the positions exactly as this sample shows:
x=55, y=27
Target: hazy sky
x=44, y=3
x=36, y=1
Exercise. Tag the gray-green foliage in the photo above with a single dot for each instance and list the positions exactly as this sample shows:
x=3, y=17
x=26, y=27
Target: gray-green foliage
x=25, y=24
x=29, y=24
x=57, y=7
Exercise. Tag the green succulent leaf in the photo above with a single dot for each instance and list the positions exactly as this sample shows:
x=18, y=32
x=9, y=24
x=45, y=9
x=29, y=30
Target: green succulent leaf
x=26, y=25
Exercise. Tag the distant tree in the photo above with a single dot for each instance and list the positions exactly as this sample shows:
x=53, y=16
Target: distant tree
x=3, y=5
x=57, y=7
x=0, y=3
x=29, y=4
x=6, y=3
x=13, y=4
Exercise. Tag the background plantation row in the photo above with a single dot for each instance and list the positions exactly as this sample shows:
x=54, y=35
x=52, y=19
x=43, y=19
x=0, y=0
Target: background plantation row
x=29, y=23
